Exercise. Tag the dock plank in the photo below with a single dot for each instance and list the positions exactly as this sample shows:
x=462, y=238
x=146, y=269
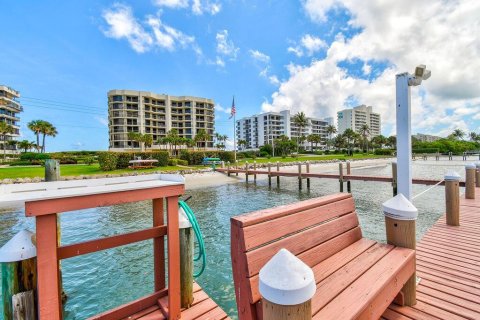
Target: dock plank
x=448, y=263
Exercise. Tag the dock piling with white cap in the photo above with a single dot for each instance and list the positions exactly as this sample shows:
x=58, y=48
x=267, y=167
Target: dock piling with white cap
x=287, y=286
x=470, y=173
x=400, y=224
x=452, y=198
x=186, y=259
x=19, y=274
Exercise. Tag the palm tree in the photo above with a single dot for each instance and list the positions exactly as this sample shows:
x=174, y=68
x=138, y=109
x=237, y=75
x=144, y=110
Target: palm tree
x=349, y=136
x=133, y=137
x=147, y=140
x=392, y=142
x=379, y=141
x=242, y=143
x=331, y=130
x=25, y=145
x=365, y=132
x=458, y=134
x=314, y=139
x=202, y=136
x=47, y=129
x=473, y=136
x=36, y=127
x=300, y=120
x=5, y=129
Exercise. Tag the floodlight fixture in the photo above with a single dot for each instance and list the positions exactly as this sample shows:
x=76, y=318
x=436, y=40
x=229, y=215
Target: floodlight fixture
x=421, y=73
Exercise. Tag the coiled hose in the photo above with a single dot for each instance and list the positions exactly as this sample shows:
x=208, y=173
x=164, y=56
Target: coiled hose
x=198, y=234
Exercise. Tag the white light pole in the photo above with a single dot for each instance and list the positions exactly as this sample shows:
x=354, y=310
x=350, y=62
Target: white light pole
x=404, y=127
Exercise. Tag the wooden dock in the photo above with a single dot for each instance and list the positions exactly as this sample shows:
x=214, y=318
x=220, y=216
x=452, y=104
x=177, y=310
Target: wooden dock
x=448, y=263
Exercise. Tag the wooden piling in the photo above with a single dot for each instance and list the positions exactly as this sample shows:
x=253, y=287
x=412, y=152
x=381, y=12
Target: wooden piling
x=340, y=172
x=24, y=305
x=400, y=225
x=349, y=185
x=236, y=167
x=452, y=198
x=437, y=156
x=255, y=169
x=228, y=168
x=299, y=176
x=246, y=171
x=269, y=174
x=470, y=172
x=394, y=178
x=278, y=177
x=308, y=171
x=477, y=175
x=186, y=267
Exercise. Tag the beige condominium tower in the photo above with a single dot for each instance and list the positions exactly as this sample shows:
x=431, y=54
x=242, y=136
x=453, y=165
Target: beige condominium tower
x=156, y=114
x=357, y=117
x=9, y=109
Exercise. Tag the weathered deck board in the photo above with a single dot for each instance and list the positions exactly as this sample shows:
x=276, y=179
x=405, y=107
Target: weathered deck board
x=203, y=308
x=448, y=262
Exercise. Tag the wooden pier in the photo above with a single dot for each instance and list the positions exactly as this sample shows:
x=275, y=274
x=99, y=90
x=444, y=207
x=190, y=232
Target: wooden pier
x=448, y=264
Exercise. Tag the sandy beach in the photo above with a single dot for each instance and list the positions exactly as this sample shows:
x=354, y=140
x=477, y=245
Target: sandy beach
x=212, y=179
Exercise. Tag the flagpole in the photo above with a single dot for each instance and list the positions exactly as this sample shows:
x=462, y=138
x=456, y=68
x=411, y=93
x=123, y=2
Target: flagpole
x=234, y=138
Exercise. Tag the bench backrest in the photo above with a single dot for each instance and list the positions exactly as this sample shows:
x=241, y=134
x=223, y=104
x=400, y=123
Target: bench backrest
x=313, y=230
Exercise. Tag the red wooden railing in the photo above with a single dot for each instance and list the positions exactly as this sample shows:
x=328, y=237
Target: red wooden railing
x=49, y=253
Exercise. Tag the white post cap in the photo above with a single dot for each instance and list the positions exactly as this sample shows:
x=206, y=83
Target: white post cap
x=183, y=221
x=286, y=280
x=452, y=176
x=470, y=166
x=20, y=247
x=399, y=208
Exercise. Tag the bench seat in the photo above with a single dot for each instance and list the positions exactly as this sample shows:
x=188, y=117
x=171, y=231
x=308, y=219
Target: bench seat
x=356, y=278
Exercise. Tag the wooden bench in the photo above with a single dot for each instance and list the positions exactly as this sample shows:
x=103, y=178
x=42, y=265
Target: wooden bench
x=356, y=278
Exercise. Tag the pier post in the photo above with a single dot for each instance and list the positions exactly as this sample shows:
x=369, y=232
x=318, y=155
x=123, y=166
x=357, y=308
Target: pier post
x=228, y=168
x=400, y=223
x=308, y=171
x=470, y=172
x=19, y=274
x=236, y=167
x=477, y=175
x=450, y=155
x=464, y=157
x=52, y=170
x=340, y=172
x=287, y=286
x=349, y=185
x=394, y=178
x=269, y=174
x=255, y=169
x=186, y=260
x=223, y=164
x=437, y=156
x=452, y=198
x=246, y=171
x=300, y=176
x=278, y=176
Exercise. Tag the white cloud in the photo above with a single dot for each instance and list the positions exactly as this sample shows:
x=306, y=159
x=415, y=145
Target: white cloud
x=308, y=45
x=401, y=35
x=274, y=80
x=102, y=120
x=259, y=56
x=225, y=48
x=153, y=33
x=199, y=7
x=171, y=3
x=219, y=108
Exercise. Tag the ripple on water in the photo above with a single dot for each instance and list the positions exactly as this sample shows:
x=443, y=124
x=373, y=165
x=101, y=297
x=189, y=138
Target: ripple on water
x=103, y=280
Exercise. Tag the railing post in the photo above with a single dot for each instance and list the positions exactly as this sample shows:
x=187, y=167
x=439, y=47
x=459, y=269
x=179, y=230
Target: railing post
x=246, y=171
x=470, y=181
x=308, y=171
x=477, y=175
x=400, y=219
x=278, y=176
x=287, y=286
x=173, y=247
x=269, y=174
x=394, y=178
x=437, y=156
x=450, y=156
x=186, y=260
x=349, y=185
x=452, y=198
x=255, y=169
x=340, y=172
x=19, y=274
x=236, y=167
x=228, y=168
x=158, y=246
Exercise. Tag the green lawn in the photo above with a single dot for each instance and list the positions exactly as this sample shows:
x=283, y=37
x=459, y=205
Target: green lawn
x=312, y=158
x=70, y=170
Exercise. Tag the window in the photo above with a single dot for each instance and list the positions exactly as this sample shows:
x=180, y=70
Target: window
x=117, y=98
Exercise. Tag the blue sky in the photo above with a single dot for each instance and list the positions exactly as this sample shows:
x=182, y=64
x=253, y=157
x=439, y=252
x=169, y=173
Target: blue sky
x=313, y=56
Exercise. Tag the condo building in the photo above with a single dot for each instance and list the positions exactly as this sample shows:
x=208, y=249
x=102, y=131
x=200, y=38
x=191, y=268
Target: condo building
x=261, y=129
x=9, y=109
x=156, y=114
x=357, y=117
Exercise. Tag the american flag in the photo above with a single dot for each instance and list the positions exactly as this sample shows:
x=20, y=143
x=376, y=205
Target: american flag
x=234, y=111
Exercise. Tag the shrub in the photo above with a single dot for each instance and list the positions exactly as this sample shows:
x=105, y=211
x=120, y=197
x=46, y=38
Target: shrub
x=226, y=156
x=196, y=157
x=20, y=163
x=182, y=162
x=89, y=160
x=327, y=151
x=108, y=161
x=29, y=156
x=123, y=159
x=161, y=156
x=68, y=161
x=383, y=152
x=173, y=162
x=264, y=154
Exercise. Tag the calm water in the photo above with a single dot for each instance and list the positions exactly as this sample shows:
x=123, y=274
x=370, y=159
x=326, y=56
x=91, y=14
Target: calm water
x=103, y=280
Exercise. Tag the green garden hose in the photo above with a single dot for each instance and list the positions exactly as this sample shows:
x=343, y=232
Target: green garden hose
x=198, y=234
